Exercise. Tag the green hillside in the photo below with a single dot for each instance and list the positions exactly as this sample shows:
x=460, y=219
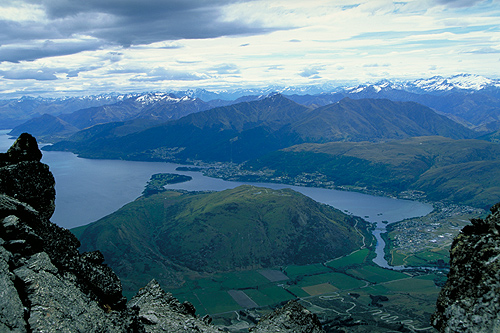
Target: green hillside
x=459, y=171
x=171, y=235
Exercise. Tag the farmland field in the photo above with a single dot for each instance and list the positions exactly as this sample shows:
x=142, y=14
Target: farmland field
x=354, y=258
x=349, y=283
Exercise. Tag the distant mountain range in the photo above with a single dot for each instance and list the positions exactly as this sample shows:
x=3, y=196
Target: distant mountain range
x=247, y=130
x=172, y=235
x=17, y=111
x=156, y=107
x=470, y=99
x=434, y=85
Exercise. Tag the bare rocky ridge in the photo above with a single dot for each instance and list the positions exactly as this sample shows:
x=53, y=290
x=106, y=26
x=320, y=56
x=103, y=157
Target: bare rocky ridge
x=46, y=285
x=292, y=317
x=470, y=299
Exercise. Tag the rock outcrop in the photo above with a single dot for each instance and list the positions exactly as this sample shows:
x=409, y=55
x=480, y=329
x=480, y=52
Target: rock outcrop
x=161, y=312
x=47, y=285
x=23, y=177
x=293, y=317
x=470, y=299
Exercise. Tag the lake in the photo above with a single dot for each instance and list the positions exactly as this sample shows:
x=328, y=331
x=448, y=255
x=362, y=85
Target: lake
x=87, y=190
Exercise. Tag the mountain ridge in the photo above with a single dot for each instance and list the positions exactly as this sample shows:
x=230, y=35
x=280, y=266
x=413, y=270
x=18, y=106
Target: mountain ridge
x=247, y=130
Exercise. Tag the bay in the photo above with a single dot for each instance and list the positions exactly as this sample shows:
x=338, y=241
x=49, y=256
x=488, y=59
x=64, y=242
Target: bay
x=87, y=190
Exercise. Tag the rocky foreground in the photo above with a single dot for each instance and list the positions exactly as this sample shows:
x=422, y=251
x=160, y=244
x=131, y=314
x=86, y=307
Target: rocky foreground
x=47, y=285
x=470, y=300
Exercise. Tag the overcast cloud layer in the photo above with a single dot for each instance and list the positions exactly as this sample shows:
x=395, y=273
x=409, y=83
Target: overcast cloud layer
x=67, y=47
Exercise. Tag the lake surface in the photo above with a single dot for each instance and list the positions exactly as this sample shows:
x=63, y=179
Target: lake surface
x=87, y=190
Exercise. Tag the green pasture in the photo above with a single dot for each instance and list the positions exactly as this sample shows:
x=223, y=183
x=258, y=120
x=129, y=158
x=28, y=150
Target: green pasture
x=376, y=274
x=435, y=254
x=237, y=280
x=277, y=294
x=417, y=293
x=217, y=301
x=269, y=295
x=355, y=258
x=319, y=289
x=296, y=290
x=209, y=294
x=338, y=280
x=397, y=258
x=422, y=258
x=293, y=271
x=415, y=285
x=258, y=297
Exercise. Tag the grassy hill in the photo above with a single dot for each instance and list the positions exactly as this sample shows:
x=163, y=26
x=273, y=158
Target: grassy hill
x=173, y=235
x=459, y=171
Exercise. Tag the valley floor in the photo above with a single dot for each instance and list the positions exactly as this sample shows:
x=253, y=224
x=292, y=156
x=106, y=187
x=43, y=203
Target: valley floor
x=349, y=291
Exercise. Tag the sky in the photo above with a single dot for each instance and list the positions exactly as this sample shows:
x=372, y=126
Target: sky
x=55, y=48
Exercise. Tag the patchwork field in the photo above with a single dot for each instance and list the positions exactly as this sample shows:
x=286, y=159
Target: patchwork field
x=349, y=288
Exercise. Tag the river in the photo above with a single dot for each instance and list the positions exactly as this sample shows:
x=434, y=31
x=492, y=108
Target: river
x=87, y=190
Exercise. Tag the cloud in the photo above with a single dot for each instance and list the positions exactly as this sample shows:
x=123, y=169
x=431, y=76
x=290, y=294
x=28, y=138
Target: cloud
x=175, y=43
x=48, y=48
x=458, y=3
x=485, y=50
x=275, y=68
x=42, y=74
x=163, y=74
x=375, y=65
x=184, y=61
x=134, y=22
x=226, y=69
x=112, y=56
x=311, y=72
x=168, y=45
x=94, y=24
x=127, y=70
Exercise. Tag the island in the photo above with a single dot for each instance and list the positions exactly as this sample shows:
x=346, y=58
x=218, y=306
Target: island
x=157, y=182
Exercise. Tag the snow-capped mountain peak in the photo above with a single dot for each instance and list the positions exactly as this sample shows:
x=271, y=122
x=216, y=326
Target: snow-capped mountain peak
x=151, y=98
x=472, y=82
x=460, y=81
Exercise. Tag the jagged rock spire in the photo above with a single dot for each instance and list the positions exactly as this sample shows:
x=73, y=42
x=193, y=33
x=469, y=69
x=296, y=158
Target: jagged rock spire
x=25, y=148
x=25, y=178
